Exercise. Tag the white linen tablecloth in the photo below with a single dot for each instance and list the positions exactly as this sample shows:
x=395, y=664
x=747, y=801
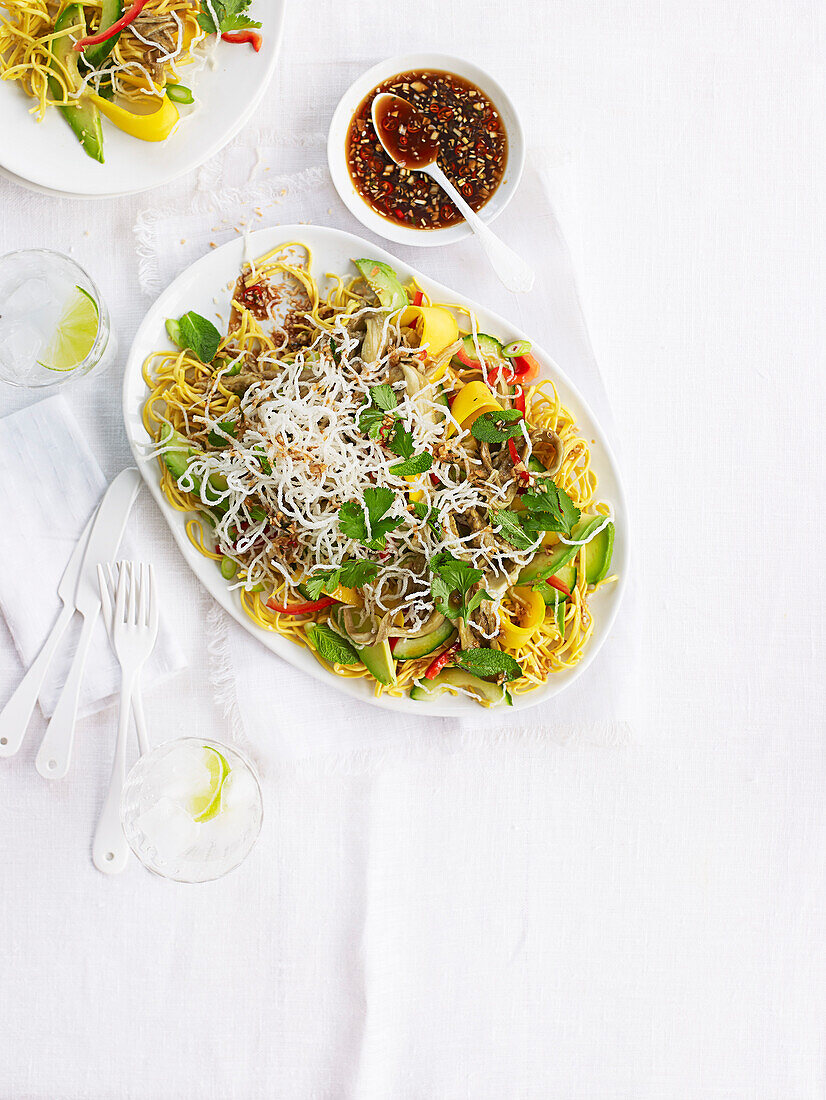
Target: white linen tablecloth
x=518, y=917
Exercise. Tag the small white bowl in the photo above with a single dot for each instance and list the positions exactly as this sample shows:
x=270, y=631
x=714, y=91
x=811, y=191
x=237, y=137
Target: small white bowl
x=351, y=101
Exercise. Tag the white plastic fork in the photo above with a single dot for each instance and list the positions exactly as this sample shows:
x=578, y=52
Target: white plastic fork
x=108, y=579
x=134, y=630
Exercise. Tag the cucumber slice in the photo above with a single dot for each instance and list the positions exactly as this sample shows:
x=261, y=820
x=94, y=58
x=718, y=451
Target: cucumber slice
x=110, y=12
x=489, y=346
x=384, y=282
x=451, y=679
x=84, y=118
x=410, y=648
x=548, y=562
x=598, y=554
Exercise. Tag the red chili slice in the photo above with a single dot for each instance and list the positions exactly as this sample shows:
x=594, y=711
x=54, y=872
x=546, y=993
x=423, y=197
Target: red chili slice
x=519, y=465
x=253, y=37
x=554, y=582
x=519, y=400
x=435, y=667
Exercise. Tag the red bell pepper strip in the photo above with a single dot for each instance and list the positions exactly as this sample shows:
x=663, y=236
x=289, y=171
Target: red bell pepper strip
x=393, y=642
x=554, y=582
x=519, y=400
x=253, y=37
x=517, y=461
x=299, y=608
x=435, y=667
x=103, y=36
x=418, y=298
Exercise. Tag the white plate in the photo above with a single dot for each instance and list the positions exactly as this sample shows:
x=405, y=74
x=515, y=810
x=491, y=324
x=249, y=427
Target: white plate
x=333, y=250
x=46, y=155
x=351, y=101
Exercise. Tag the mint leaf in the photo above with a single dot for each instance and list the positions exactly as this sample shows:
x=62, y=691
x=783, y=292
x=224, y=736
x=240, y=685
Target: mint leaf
x=196, y=333
x=487, y=663
x=549, y=509
x=229, y=13
x=369, y=530
x=429, y=515
x=453, y=578
x=512, y=530
x=497, y=427
x=331, y=646
x=419, y=464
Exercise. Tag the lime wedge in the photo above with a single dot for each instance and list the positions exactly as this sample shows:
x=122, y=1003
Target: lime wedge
x=75, y=334
x=206, y=805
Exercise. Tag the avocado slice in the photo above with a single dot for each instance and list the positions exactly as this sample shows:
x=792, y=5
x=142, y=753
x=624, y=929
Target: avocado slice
x=598, y=554
x=85, y=117
x=384, y=282
x=548, y=562
x=379, y=660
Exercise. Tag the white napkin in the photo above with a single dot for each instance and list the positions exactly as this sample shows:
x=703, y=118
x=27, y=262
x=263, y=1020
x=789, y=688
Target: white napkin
x=51, y=486
x=283, y=711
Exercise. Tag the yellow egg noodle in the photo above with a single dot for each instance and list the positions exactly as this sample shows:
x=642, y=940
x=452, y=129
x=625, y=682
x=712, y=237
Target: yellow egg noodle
x=269, y=443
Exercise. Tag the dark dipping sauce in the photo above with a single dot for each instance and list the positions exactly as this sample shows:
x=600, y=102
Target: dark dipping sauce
x=469, y=135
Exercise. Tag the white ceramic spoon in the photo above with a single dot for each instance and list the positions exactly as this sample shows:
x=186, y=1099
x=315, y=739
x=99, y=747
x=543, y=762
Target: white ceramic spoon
x=511, y=269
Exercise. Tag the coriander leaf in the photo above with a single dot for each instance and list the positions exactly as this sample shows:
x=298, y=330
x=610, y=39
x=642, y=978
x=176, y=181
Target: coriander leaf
x=489, y=662
x=380, y=401
x=453, y=577
x=229, y=15
x=419, y=464
x=331, y=646
x=497, y=427
x=335, y=352
x=512, y=530
x=354, y=524
x=384, y=396
x=316, y=585
x=401, y=441
x=550, y=509
x=196, y=333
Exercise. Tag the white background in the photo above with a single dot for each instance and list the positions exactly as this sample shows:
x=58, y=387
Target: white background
x=650, y=919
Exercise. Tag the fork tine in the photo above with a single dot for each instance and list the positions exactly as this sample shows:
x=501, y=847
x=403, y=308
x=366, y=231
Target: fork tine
x=153, y=601
x=132, y=614
x=143, y=613
x=120, y=607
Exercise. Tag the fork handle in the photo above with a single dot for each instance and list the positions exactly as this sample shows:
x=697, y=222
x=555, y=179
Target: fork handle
x=110, y=851
x=16, y=714
x=55, y=752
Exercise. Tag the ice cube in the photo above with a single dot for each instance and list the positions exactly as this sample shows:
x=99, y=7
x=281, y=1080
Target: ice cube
x=168, y=829
x=181, y=774
x=20, y=345
x=32, y=296
x=239, y=790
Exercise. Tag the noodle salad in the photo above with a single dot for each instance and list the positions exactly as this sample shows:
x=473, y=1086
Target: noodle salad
x=382, y=482
x=115, y=59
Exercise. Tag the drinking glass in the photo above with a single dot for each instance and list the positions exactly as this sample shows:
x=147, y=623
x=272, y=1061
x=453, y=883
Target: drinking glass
x=54, y=324
x=192, y=809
